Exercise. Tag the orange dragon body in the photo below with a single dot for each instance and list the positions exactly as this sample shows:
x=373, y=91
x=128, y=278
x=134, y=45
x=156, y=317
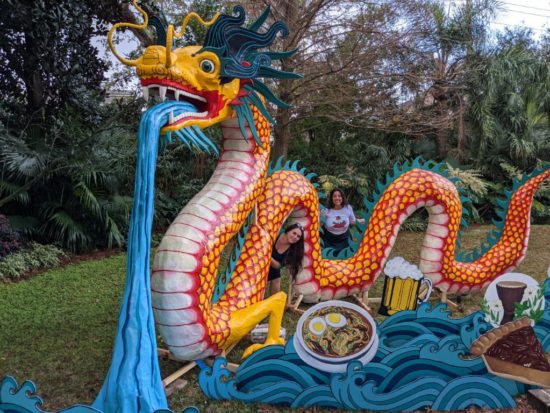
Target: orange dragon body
x=196, y=317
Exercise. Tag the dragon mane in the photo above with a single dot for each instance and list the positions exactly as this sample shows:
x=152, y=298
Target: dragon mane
x=240, y=52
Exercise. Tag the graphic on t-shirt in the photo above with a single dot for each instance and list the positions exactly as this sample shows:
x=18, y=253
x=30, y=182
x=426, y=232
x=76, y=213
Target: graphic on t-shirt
x=338, y=222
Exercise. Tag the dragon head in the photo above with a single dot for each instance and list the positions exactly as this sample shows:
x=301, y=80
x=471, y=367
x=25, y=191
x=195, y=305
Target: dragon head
x=219, y=78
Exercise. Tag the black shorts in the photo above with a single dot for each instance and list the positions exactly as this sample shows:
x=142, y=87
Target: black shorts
x=336, y=241
x=274, y=274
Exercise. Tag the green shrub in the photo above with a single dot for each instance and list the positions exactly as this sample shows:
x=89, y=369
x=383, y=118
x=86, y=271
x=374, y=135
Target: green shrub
x=32, y=257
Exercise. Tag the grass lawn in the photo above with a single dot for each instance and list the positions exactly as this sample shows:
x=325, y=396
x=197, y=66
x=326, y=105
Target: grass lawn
x=57, y=329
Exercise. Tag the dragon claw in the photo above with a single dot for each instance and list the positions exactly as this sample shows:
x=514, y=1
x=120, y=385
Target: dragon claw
x=268, y=342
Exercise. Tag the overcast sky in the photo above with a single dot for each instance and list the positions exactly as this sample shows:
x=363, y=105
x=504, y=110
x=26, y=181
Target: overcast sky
x=534, y=14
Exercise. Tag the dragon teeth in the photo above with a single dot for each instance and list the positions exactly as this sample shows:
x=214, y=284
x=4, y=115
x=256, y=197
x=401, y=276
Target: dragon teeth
x=177, y=93
x=192, y=96
x=185, y=115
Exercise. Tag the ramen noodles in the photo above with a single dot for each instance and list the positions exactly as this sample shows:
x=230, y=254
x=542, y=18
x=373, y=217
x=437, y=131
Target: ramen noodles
x=336, y=332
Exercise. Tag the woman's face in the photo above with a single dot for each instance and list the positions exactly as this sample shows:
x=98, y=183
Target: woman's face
x=294, y=235
x=337, y=198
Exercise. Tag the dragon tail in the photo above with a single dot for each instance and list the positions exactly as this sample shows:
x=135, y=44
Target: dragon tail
x=505, y=249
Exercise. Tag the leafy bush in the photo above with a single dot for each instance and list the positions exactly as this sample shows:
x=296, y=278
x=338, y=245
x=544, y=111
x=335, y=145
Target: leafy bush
x=418, y=222
x=32, y=257
x=541, y=205
x=10, y=241
x=71, y=180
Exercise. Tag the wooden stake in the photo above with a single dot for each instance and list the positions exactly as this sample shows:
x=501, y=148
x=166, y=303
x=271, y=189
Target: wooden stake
x=298, y=301
x=445, y=299
x=289, y=296
x=289, y=305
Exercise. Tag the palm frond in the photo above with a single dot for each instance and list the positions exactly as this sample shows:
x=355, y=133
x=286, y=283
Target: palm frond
x=66, y=230
x=88, y=198
x=9, y=188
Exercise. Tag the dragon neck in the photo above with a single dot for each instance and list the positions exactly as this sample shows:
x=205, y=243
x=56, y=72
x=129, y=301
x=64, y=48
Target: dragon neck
x=185, y=267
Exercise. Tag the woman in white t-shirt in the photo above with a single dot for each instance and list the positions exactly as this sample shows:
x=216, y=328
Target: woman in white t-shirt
x=338, y=216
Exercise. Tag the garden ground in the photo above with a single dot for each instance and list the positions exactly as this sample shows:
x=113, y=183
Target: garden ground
x=58, y=327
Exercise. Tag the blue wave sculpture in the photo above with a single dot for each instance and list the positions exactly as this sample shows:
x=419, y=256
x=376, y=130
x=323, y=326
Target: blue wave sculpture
x=422, y=361
x=14, y=399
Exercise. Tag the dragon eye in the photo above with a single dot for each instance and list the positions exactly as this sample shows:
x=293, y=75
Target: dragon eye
x=207, y=66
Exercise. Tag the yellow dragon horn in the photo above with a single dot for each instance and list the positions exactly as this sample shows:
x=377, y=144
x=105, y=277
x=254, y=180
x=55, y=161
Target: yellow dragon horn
x=131, y=25
x=171, y=33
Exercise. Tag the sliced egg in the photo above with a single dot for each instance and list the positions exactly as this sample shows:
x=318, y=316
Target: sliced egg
x=336, y=320
x=317, y=326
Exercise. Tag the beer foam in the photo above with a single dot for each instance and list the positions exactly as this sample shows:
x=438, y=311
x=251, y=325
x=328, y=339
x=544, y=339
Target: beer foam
x=400, y=267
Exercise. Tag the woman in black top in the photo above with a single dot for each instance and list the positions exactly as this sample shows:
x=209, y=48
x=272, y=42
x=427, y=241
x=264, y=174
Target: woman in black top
x=288, y=250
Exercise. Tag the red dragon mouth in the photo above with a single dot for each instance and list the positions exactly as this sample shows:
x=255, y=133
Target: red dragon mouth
x=208, y=103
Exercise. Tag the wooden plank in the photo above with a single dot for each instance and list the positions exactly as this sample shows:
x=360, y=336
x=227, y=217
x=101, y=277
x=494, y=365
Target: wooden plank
x=163, y=353
x=175, y=376
x=176, y=385
x=178, y=373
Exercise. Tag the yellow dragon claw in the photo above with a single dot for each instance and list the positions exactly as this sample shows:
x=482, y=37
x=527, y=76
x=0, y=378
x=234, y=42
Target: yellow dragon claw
x=268, y=342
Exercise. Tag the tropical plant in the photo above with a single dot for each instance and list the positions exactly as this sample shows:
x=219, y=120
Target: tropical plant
x=509, y=114
x=63, y=175
x=69, y=184
x=33, y=256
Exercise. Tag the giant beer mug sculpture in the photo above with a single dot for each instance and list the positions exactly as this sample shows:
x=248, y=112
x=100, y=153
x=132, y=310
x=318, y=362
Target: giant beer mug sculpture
x=402, y=285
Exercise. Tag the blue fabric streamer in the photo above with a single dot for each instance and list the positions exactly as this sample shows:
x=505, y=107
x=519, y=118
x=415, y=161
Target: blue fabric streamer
x=133, y=383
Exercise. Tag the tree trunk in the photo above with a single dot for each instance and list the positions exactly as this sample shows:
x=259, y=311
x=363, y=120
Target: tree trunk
x=442, y=143
x=282, y=134
x=32, y=77
x=290, y=14
x=442, y=129
x=462, y=137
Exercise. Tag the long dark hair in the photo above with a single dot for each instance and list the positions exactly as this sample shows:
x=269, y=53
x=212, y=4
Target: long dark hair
x=330, y=203
x=295, y=252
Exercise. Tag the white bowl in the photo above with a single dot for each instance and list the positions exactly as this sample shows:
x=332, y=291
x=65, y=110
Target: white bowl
x=334, y=367
x=302, y=347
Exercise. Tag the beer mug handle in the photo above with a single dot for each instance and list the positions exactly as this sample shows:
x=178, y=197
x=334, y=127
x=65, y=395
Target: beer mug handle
x=429, y=283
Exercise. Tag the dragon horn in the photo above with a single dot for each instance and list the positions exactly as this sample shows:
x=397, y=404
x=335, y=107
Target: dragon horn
x=171, y=33
x=131, y=25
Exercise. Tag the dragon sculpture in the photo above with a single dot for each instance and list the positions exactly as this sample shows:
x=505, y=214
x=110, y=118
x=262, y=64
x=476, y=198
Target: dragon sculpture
x=200, y=313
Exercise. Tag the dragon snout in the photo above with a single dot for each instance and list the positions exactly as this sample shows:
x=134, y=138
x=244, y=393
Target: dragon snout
x=157, y=56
